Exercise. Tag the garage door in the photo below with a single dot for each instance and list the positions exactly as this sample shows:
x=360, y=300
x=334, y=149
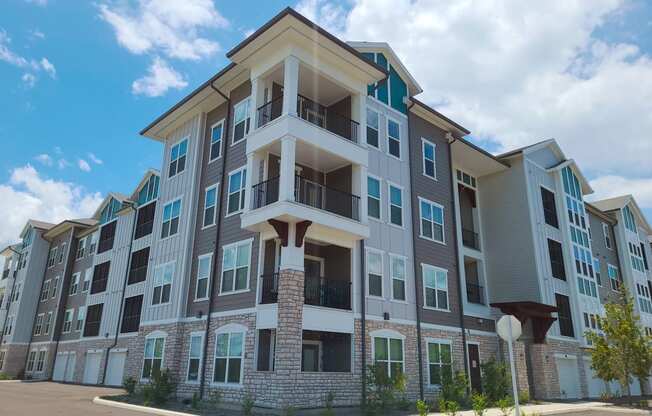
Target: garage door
x=60, y=367
x=596, y=385
x=116, y=368
x=70, y=368
x=92, y=368
x=569, y=377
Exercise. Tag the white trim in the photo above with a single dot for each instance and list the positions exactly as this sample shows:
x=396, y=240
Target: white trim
x=210, y=142
x=243, y=188
x=171, y=202
x=382, y=272
x=443, y=221
x=154, y=285
x=217, y=195
x=321, y=261
x=169, y=159
x=230, y=329
x=248, y=241
x=208, y=283
x=158, y=334
x=247, y=131
x=201, y=357
x=368, y=108
x=380, y=198
x=391, y=185
x=425, y=141
x=423, y=280
x=438, y=341
x=389, y=118
x=390, y=257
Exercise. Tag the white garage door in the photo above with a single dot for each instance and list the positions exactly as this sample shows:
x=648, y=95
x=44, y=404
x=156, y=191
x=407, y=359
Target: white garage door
x=569, y=377
x=60, y=367
x=70, y=368
x=596, y=385
x=116, y=368
x=92, y=368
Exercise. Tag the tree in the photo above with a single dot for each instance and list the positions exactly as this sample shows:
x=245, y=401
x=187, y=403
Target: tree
x=624, y=352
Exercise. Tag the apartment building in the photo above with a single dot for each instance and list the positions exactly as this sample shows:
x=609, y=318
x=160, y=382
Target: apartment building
x=312, y=218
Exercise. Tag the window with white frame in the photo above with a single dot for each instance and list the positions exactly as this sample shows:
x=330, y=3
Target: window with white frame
x=229, y=354
x=217, y=132
x=45, y=290
x=38, y=324
x=153, y=356
x=373, y=197
x=47, y=323
x=93, y=244
x=372, y=128
x=9, y=325
x=178, y=158
x=237, y=181
x=395, y=205
x=52, y=256
x=428, y=154
x=614, y=277
x=432, y=221
x=194, y=356
x=62, y=252
x=235, y=267
x=31, y=359
x=397, y=271
x=240, y=120
x=88, y=275
x=81, y=317
x=81, y=246
x=607, y=236
x=393, y=138
x=40, y=361
x=375, y=273
x=210, y=204
x=163, y=276
x=67, y=320
x=55, y=285
x=435, y=287
x=388, y=355
x=74, y=284
x=440, y=362
x=2, y=359
x=15, y=293
x=171, y=214
x=203, y=276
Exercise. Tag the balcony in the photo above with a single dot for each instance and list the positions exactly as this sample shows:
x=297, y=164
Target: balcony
x=5, y=274
x=322, y=197
x=318, y=291
x=470, y=239
x=475, y=293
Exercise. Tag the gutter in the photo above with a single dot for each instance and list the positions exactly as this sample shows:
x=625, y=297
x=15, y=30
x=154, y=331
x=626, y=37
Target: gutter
x=363, y=319
x=216, y=251
x=122, y=295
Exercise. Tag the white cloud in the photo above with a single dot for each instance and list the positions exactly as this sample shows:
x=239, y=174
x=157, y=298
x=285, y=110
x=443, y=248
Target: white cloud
x=610, y=186
x=83, y=165
x=159, y=79
x=9, y=56
x=29, y=79
x=48, y=67
x=35, y=33
x=165, y=26
x=40, y=198
x=38, y=2
x=45, y=159
x=62, y=163
x=95, y=159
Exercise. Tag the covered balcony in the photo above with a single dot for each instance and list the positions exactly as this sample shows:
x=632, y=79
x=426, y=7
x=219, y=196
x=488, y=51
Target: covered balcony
x=467, y=197
x=475, y=290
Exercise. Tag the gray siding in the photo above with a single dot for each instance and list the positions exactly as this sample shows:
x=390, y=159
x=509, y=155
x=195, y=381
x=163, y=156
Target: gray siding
x=600, y=251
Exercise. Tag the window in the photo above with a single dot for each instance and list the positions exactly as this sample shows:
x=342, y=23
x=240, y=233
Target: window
x=145, y=220
x=131, y=314
x=163, y=276
x=52, y=257
x=440, y=362
x=596, y=268
x=100, y=277
x=81, y=316
x=237, y=182
x=375, y=273
x=217, y=131
x=153, y=356
x=395, y=205
x=435, y=287
x=178, y=158
x=549, y=207
x=373, y=197
x=47, y=323
x=644, y=256
x=38, y=324
x=194, y=357
x=31, y=359
x=393, y=138
x=45, y=290
x=55, y=285
x=171, y=213
x=203, y=276
x=388, y=355
x=564, y=315
x=40, y=361
x=107, y=235
x=372, y=128
x=138, y=266
x=15, y=293
x=81, y=246
x=93, y=244
x=93, y=320
x=614, y=277
x=2, y=359
x=607, y=236
x=428, y=153
x=67, y=320
x=229, y=352
x=556, y=260
x=62, y=252
x=397, y=271
x=241, y=120
x=210, y=200
x=74, y=284
x=87, y=279
x=630, y=222
x=432, y=221
x=235, y=267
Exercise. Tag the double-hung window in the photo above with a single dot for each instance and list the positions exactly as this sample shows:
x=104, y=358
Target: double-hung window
x=62, y=252
x=388, y=355
x=74, y=285
x=607, y=236
x=375, y=273
x=372, y=128
x=81, y=317
x=86, y=284
x=31, y=359
x=235, y=267
x=152, y=357
x=614, y=277
x=178, y=158
x=397, y=271
x=67, y=320
x=171, y=214
x=429, y=163
x=45, y=291
x=217, y=132
x=2, y=359
x=240, y=120
x=237, y=181
x=55, y=286
x=373, y=197
x=203, y=276
x=210, y=204
x=81, y=246
x=393, y=138
x=40, y=361
x=52, y=256
x=38, y=324
x=596, y=268
x=9, y=325
x=395, y=205
x=439, y=362
x=435, y=287
x=194, y=357
x=432, y=220
x=163, y=277
x=229, y=354
x=47, y=323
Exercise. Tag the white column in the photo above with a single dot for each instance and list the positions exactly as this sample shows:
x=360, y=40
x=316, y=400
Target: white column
x=286, y=181
x=290, y=85
x=254, y=103
x=359, y=114
x=359, y=188
x=292, y=256
x=251, y=179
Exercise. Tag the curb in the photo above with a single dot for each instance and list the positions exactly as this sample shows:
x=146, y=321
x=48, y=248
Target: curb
x=137, y=408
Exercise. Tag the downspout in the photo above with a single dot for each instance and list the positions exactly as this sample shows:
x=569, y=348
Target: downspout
x=363, y=322
x=122, y=295
x=467, y=370
x=216, y=250
x=417, y=281
x=8, y=303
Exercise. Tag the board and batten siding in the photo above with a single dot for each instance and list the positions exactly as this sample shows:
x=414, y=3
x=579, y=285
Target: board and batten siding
x=604, y=254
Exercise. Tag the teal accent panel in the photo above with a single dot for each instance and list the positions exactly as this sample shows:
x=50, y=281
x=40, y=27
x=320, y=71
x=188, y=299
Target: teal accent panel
x=399, y=90
x=383, y=91
x=370, y=57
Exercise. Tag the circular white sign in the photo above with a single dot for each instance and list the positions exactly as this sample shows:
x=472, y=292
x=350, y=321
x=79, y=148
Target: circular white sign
x=509, y=328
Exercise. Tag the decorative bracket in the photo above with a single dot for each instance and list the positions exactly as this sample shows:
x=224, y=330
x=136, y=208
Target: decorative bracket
x=281, y=229
x=302, y=229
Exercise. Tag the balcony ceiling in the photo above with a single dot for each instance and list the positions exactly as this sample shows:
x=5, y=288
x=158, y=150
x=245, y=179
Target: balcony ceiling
x=314, y=86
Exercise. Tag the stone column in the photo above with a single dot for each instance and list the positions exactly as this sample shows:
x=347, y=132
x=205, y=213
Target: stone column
x=520, y=364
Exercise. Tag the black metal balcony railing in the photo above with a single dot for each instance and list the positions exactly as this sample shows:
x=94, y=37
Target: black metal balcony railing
x=475, y=293
x=329, y=293
x=470, y=239
x=322, y=197
x=269, y=288
x=332, y=121
x=269, y=111
x=264, y=193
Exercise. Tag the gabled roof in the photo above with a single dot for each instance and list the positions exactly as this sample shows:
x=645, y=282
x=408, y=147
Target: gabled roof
x=116, y=195
x=529, y=147
x=39, y=225
x=149, y=173
x=65, y=225
x=10, y=249
x=600, y=213
x=618, y=203
x=438, y=118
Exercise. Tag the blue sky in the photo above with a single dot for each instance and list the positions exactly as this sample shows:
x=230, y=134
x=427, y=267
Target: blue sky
x=74, y=77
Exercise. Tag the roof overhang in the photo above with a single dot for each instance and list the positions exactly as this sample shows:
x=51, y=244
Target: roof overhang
x=63, y=227
x=117, y=197
x=474, y=159
x=150, y=172
x=9, y=250
x=438, y=119
x=584, y=183
x=600, y=214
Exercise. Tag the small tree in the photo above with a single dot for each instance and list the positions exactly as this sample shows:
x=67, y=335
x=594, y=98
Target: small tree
x=624, y=351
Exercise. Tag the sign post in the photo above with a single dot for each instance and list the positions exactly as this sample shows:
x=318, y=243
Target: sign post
x=509, y=329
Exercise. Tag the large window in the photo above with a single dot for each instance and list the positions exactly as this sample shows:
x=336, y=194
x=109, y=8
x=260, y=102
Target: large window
x=31, y=359
x=375, y=273
x=203, y=276
x=138, y=266
x=100, y=277
x=393, y=138
x=163, y=277
x=153, y=356
x=93, y=320
x=145, y=220
x=440, y=362
x=52, y=256
x=45, y=290
x=395, y=205
x=195, y=355
x=210, y=203
x=235, y=267
x=564, y=315
x=178, y=158
x=435, y=287
x=54, y=287
x=240, y=120
x=40, y=361
x=373, y=197
x=372, y=128
x=432, y=221
x=397, y=270
x=107, y=235
x=549, y=207
x=429, y=162
x=630, y=222
x=229, y=354
x=217, y=132
x=388, y=355
x=237, y=181
x=556, y=260
x=131, y=314
x=171, y=213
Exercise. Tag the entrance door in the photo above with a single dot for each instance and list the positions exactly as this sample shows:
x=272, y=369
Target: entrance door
x=310, y=357
x=60, y=367
x=70, y=368
x=569, y=377
x=92, y=368
x=115, y=369
x=474, y=367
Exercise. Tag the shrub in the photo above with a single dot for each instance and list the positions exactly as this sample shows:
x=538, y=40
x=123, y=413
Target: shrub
x=248, y=405
x=328, y=408
x=422, y=408
x=450, y=407
x=523, y=397
x=214, y=399
x=454, y=387
x=129, y=385
x=479, y=403
x=382, y=390
x=4, y=376
x=289, y=411
x=194, y=403
x=159, y=389
x=495, y=381
x=505, y=405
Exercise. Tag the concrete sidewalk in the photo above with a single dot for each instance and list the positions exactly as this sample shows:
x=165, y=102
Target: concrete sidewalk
x=558, y=408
